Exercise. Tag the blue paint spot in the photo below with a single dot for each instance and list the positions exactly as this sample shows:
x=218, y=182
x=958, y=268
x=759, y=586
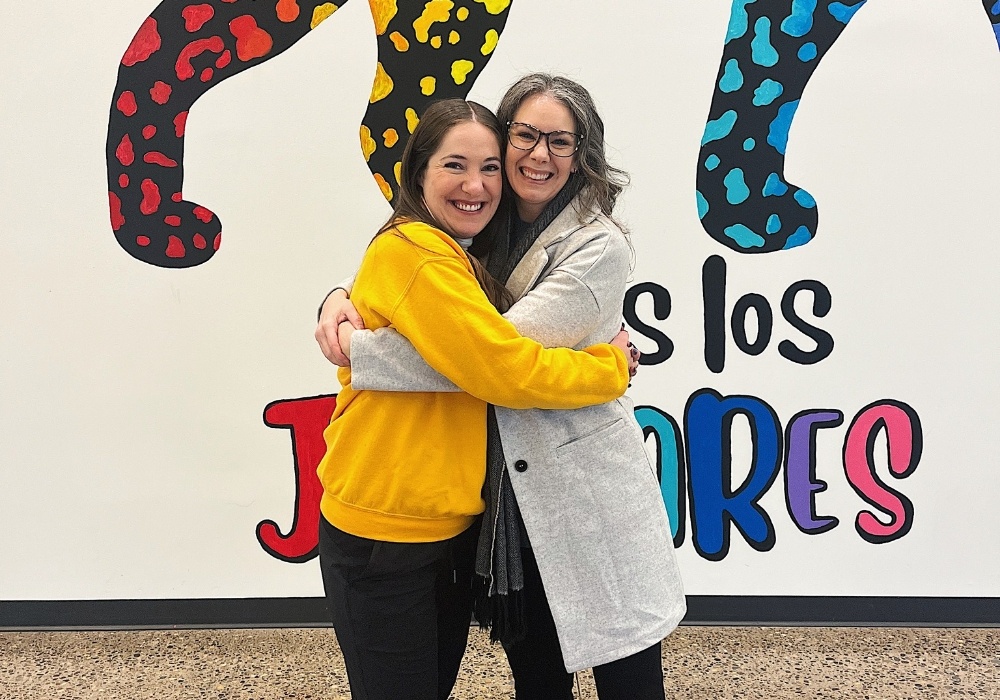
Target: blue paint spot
x=737, y=191
x=801, y=236
x=800, y=22
x=720, y=128
x=843, y=13
x=774, y=187
x=768, y=92
x=804, y=199
x=744, y=237
x=995, y=10
x=996, y=30
x=773, y=224
x=777, y=133
x=808, y=52
x=749, y=145
x=712, y=162
x=738, y=20
x=702, y=204
x=761, y=51
x=732, y=78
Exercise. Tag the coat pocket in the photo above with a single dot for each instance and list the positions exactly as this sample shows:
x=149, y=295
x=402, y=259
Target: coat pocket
x=595, y=434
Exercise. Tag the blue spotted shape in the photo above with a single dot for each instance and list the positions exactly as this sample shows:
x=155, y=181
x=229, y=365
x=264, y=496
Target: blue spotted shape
x=804, y=199
x=737, y=191
x=768, y=92
x=843, y=13
x=712, y=162
x=995, y=10
x=702, y=204
x=800, y=22
x=749, y=145
x=739, y=22
x=801, y=236
x=719, y=128
x=761, y=51
x=773, y=224
x=732, y=78
x=773, y=186
x=808, y=52
x=777, y=132
x=996, y=31
x=744, y=237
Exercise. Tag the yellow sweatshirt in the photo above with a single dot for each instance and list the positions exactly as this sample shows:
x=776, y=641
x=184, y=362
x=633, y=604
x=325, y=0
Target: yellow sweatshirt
x=409, y=466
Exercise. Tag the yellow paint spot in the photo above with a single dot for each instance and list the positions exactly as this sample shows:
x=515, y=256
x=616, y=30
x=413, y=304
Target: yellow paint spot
x=390, y=137
x=411, y=119
x=397, y=170
x=462, y=14
x=384, y=186
x=434, y=11
x=367, y=142
x=436, y=42
x=491, y=42
x=399, y=41
x=460, y=69
x=321, y=13
x=288, y=10
x=382, y=86
x=453, y=38
x=495, y=7
x=428, y=84
x=382, y=12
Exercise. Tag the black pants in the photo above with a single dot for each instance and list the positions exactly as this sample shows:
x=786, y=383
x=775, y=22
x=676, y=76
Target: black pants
x=401, y=611
x=537, y=661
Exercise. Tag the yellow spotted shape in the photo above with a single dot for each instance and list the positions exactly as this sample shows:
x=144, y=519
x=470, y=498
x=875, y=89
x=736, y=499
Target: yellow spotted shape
x=390, y=138
x=399, y=41
x=367, y=142
x=436, y=42
x=462, y=14
x=384, y=186
x=491, y=42
x=495, y=7
x=411, y=119
x=382, y=86
x=382, y=12
x=460, y=69
x=322, y=12
x=434, y=11
x=453, y=37
x=428, y=84
x=397, y=170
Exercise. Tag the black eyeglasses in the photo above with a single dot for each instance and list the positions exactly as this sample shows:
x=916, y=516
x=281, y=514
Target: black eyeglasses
x=525, y=137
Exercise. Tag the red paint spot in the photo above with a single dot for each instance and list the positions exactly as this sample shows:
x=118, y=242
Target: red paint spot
x=117, y=220
x=203, y=214
x=125, y=153
x=224, y=60
x=251, y=41
x=199, y=241
x=183, y=67
x=148, y=132
x=180, y=121
x=206, y=75
x=126, y=103
x=172, y=220
x=144, y=44
x=157, y=158
x=177, y=197
x=160, y=92
x=175, y=249
x=123, y=180
x=288, y=10
x=142, y=240
x=195, y=16
x=217, y=242
x=150, y=197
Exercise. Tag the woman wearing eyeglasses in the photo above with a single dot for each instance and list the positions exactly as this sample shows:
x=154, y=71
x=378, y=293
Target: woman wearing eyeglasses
x=575, y=551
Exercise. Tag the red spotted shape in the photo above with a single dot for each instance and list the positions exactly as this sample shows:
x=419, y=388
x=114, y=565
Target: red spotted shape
x=117, y=219
x=183, y=67
x=224, y=60
x=195, y=16
x=175, y=248
x=177, y=197
x=142, y=240
x=148, y=131
x=157, y=158
x=144, y=44
x=180, y=123
x=203, y=214
x=199, y=241
x=251, y=41
x=172, y=220
x=206, y=75
x=125, y=153
x=123, y=180
x=160, y=92
x=126, y=103
x=150, y=197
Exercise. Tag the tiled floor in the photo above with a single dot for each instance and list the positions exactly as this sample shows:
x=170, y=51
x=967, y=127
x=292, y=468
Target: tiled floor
x=716, y=663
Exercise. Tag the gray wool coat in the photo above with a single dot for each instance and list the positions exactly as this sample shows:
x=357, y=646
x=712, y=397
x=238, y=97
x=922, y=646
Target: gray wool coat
x=589, y=497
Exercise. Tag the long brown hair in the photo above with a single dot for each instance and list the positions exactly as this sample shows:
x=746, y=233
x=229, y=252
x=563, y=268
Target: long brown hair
x=435, y=123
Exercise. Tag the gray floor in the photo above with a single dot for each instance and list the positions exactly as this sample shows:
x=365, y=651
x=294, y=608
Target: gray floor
x=714, y=663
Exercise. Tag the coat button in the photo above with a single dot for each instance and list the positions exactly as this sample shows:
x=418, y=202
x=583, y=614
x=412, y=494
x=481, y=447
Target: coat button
x=520, y=466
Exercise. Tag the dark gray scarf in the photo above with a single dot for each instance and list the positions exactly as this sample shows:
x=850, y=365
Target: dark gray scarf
x=499, y=605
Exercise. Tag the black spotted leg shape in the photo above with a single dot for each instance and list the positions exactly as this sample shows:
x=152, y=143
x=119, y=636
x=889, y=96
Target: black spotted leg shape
x=181, y=51
x=772, y=49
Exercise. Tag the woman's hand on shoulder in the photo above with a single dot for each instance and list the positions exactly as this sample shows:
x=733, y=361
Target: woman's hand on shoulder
x=337, y=309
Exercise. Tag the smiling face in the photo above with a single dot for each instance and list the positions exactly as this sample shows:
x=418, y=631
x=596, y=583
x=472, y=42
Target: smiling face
x=536, y=176
x=462, y=182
